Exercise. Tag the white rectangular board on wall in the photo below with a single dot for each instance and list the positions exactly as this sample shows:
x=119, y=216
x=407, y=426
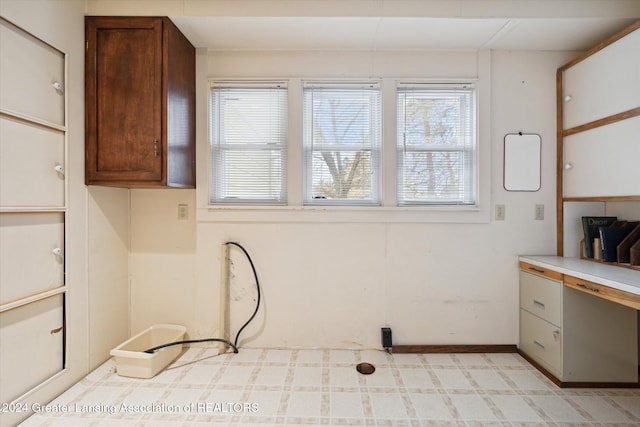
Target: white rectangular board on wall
x=522, y=162
x=603, y=161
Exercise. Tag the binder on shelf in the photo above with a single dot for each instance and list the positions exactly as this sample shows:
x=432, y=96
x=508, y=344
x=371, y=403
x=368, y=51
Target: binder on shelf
x=635, y=253
x=624, y=248
x=610, y=238
x=591, y=228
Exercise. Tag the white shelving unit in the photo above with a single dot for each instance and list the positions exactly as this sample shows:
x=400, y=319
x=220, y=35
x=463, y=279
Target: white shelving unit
x=33, y=205
x=598, y=103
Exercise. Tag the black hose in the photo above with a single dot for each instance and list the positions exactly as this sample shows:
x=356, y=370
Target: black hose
x=255, y=275
x=154, y=349
x=233, y=345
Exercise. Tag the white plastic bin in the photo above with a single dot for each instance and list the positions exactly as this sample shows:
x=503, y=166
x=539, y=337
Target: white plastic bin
x=132, y=361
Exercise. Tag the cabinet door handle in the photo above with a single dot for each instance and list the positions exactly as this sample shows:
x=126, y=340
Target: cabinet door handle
x=58, y=87
x=56, y=330
x=588, y=288
x=155, y=148
x=57, y=253
x=538, y=304
x=538, y=344
x=59, y=169
x=556, y=335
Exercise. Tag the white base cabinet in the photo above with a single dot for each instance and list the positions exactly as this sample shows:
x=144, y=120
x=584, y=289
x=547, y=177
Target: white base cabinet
x=576, y=337
x=32, y=346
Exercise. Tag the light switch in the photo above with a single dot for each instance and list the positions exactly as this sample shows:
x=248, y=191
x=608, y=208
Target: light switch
x=539, y=214
x=500, y=212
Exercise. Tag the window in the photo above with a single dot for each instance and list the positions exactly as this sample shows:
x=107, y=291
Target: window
x=342, y=140
x=436, y=145
x=248, y=137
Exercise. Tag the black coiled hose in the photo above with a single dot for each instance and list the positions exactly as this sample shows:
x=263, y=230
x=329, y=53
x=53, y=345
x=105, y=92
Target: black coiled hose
x=233, y=345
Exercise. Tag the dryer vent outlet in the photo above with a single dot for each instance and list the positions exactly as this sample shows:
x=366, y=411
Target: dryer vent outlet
x=387, y=342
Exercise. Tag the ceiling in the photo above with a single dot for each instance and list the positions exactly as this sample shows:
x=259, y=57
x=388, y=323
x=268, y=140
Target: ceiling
x=255, y=25
x=392, y=33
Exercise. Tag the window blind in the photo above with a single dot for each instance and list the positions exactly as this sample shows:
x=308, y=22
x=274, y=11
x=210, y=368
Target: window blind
x=436, y=144
x=342, y=140
x=248, y=137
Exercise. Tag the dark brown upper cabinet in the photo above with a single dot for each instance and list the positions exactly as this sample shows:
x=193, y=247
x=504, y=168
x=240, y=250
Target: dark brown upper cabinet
x=139, y=103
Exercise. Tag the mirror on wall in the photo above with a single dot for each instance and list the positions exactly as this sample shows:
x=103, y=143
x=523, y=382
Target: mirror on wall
x=522, y=162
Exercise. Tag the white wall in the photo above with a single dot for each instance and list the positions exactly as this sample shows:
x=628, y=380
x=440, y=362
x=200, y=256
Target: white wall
x=108, y=270
x=334, y=284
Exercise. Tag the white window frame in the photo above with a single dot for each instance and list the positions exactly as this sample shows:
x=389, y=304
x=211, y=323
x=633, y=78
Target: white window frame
x=388, y=211
x=465, y=138
x=374, y=147
x=217, y=148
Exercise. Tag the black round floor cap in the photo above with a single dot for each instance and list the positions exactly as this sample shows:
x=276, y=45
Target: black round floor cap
x=365, y=368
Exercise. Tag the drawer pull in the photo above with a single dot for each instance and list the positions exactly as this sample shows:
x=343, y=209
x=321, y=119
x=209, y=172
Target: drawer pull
x=537, y=270
x=538, y=304
x=588, y=288
x=56, y=330
x=538, y=344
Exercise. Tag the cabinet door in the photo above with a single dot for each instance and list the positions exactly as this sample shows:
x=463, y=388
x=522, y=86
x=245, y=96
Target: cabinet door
x=32, y=82
x=31, y=165
x=31, y=254
x=32, y=346
x=605, y=83
x=603, y=161
x=124, y=99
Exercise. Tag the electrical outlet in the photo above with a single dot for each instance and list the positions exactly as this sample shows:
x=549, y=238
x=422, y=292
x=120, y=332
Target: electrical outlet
x=500, y=212
x=539, y=215
x=183, y=212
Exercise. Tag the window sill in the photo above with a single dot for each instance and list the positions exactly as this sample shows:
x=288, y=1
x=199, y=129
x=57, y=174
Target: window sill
x=343, y=214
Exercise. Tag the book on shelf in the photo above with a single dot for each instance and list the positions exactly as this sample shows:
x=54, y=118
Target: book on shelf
x=591, y=228
x=624, y=248
x=612, y=236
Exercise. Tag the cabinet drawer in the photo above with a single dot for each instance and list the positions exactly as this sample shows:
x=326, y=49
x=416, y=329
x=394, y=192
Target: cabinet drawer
x=29, y=243
x=603, y=292
x=29, y=70
x=32, y=346
x=541, y=341
x=541, y=296
x=31, y=165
